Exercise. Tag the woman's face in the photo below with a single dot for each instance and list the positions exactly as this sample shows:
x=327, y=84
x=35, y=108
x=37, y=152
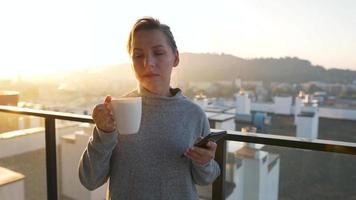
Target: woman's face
x=153, y=60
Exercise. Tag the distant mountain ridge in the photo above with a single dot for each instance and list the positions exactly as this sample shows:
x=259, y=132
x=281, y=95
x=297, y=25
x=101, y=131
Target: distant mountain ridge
x=213, y=67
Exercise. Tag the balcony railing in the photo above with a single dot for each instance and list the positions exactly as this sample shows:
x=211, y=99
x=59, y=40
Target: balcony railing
x=218, y=189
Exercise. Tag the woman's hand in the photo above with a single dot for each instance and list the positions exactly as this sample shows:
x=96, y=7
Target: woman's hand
x=103, y=116
x=202, y=155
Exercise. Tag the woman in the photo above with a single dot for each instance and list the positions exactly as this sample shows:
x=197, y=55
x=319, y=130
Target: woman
x=149, y=165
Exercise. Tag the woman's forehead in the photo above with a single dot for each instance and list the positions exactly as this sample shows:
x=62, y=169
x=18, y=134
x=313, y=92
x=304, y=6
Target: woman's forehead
x=149, y=38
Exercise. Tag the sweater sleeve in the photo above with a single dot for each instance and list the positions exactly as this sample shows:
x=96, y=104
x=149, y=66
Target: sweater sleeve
x=205, y=174
x=94, y=165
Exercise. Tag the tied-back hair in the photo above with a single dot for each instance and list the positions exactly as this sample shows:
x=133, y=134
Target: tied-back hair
x=149, y=23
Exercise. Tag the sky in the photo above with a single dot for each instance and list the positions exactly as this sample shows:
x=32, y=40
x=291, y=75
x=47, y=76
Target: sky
x=42, y=36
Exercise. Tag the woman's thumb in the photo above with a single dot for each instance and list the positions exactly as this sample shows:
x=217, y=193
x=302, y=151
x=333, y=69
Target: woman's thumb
x=108, y=99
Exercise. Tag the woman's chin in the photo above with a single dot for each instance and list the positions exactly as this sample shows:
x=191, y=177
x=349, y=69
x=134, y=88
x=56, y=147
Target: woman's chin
x=149, y=86
x=152, y=83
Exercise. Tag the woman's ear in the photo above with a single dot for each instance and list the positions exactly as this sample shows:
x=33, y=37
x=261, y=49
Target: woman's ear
x=176, y=59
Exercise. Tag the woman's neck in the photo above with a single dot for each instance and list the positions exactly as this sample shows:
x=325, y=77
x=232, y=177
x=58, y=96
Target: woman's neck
x=160, y=91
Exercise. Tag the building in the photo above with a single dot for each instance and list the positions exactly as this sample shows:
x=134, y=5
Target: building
x=9, y=98
x=308, y=122
x=256, y=173
x=283, y=105
x=26, y=146
x=12, y=185
x=8, y=122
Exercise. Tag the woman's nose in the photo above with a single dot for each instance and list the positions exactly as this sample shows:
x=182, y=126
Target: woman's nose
x=149, y=61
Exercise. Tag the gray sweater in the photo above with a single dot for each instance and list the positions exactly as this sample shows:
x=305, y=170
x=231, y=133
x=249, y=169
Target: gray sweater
x=148, y=165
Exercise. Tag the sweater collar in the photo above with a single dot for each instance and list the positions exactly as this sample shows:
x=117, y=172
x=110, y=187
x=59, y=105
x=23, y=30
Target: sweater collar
x=176, y=93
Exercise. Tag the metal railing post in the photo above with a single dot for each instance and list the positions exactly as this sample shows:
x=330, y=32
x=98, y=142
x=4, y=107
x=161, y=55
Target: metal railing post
x=219, y=183
x=51, y=158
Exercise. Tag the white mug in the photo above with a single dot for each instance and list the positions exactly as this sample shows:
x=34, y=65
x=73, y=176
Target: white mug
x=127, y=113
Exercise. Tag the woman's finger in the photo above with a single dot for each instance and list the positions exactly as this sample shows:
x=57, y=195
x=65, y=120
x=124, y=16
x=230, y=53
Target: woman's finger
x=194, y=152
x=193, y=156
x=197, y=159
x=201, y=154
x=108, y=99
x=211, y=145
x=201, y=151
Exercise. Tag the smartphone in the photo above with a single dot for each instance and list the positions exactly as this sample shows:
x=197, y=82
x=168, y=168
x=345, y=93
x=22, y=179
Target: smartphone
x=213, y=136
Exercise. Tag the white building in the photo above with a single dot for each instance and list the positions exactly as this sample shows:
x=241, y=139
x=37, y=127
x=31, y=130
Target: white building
x=243, y=104
x=222, y=121
x=256, y=174
x=26, y=140
x=308, y=122
x=297, y=108
x=282, y=105
x=200, y=85
x=201, y=100
x=336, y=113
x=73, y=146
x=73, y=141
x=12, y=185
x=238, y=83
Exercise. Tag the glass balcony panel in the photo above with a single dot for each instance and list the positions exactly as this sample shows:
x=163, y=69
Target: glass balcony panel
x=253, y=171
x=22, y=157
x=72, y=140
x=259, y=172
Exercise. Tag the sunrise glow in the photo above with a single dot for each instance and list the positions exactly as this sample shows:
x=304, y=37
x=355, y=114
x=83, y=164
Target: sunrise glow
x=39, y=37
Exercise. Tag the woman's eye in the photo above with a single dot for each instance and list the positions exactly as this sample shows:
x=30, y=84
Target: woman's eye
x=137, y=55
x=158, y=53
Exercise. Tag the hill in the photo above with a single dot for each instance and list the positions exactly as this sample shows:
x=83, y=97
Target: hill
x=213, y=67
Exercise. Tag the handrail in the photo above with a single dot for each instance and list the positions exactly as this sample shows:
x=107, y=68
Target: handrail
x=293, y=142
x=218, y=186
x=46, y=113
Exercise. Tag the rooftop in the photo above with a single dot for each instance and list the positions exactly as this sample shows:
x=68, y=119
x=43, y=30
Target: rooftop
x=7, y=93
x=313, y=174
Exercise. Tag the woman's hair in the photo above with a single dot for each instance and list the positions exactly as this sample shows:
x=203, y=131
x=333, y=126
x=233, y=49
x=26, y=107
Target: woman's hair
x=149, y=23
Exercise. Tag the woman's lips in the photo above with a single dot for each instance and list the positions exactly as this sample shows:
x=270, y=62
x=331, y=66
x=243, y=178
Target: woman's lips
x=150, y=75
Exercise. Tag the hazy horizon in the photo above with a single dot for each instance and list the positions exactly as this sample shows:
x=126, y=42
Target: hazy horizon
x=39, y=36
x=54, y=72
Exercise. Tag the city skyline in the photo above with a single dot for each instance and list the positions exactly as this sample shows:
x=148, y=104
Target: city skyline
x=42, y=36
